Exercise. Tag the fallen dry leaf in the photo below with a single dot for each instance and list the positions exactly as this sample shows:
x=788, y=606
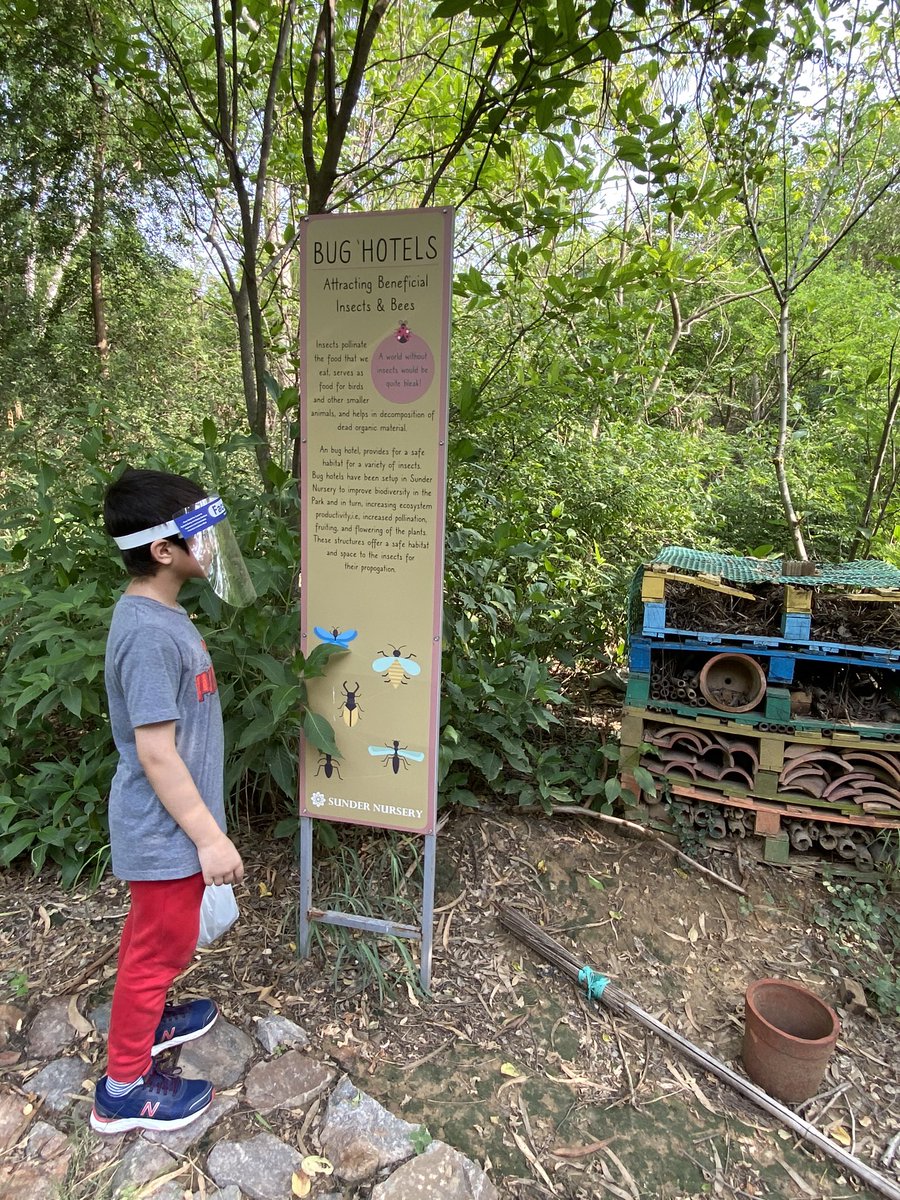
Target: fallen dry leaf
x=315, y=1164
x=301, y=1184
x=80, y=1024
x=840, y=1135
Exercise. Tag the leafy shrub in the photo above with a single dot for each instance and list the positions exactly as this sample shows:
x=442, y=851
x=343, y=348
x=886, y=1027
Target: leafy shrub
x=862, y=924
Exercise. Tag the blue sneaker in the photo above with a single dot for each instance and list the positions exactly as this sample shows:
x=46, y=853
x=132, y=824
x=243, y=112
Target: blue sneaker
x=162, y=1101
x=182, y=1023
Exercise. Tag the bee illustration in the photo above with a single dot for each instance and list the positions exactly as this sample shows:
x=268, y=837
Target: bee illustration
x=397, y=669
x=329, y=766
x=396, y=755
x=350, y=709
x=334, y=636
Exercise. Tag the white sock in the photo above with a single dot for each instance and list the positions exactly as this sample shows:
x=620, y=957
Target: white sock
x=122, y=1089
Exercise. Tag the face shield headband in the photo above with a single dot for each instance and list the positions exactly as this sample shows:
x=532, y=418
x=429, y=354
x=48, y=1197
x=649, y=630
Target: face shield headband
x=211, y=541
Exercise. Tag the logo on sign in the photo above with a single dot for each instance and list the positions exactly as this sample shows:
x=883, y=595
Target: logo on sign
x=317, y=799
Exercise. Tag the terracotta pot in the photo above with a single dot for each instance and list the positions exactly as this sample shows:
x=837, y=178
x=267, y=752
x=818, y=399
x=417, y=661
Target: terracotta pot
x=789, y=1035
x=732, y=682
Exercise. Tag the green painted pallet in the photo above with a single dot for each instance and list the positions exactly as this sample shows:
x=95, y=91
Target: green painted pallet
x=811, y=732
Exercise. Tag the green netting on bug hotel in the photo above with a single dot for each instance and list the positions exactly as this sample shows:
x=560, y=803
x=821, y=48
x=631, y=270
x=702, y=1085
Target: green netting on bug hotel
x=863, y=575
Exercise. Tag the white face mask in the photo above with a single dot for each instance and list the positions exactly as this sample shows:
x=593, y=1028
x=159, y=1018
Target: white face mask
x=210, y=539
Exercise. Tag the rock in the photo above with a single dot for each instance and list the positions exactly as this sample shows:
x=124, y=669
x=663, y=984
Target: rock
x=276, y=1030
x=22, y=1181
x=44, y=1140
x=220, y=1056
x=47, y=1146
x=440, y=1173
x=13, y=1120
x=41, y=1174
x=170, y=1190
x=50, y=1031
x=360, y=1137
x=228, y=1193
x=289, y=1081
x=143, y=1161
x=99, y=1018
x=261, y=1167
x=10, y=1016
x=178, y=1141
x=9, y=1058
x=59, y=1083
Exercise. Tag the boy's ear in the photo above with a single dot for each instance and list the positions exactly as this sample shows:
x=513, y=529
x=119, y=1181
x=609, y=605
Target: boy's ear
x=162, y=552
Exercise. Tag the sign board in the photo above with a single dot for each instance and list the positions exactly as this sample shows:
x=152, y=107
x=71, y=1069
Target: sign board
x=374, y=399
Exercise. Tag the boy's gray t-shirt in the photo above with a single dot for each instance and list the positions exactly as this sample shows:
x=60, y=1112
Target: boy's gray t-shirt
x=158, y=669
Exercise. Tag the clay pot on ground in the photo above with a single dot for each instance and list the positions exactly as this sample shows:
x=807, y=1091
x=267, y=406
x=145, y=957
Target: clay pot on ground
x=789, y=1036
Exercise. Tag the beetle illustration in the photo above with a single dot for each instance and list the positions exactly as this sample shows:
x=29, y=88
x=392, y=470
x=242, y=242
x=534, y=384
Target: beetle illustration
x=334, y=636
x=350, y=709
x=396, y=668
x=329, y=766
x=396, y=754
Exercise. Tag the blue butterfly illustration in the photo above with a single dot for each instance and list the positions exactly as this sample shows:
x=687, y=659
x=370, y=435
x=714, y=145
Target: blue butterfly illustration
x=334, y=636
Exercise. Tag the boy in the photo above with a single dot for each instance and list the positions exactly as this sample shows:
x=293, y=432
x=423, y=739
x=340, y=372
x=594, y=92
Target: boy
x=166, y=806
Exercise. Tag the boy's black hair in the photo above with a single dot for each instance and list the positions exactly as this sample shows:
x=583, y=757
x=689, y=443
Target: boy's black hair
x=141, y=499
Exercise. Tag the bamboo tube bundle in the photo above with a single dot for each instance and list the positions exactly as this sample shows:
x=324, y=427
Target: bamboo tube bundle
x=604, y=991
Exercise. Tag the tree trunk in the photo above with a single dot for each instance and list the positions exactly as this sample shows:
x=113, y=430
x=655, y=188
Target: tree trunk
x=875, y=480
x=252, y=350
x=98, y=207
x=784, y=487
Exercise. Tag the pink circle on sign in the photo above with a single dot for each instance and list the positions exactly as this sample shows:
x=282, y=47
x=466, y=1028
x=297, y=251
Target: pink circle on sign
x=402, y=366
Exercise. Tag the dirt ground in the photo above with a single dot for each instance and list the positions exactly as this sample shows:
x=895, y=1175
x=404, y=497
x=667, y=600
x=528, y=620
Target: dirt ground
x=506, y=1061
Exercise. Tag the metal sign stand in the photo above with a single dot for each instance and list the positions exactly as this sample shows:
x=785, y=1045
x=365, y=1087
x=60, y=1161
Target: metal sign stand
x=307, y=914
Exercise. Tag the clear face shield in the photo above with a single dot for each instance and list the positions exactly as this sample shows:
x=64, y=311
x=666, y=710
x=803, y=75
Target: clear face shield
x=211, y=541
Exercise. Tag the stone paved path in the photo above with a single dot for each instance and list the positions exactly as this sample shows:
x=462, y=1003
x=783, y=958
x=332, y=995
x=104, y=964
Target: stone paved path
x=47, y=1147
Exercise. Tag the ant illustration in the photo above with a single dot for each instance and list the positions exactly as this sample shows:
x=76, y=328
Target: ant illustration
x=329, y=766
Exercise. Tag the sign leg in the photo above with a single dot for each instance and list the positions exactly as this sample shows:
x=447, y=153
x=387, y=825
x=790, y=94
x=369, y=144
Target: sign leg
x=427, y=909
x=304, y=900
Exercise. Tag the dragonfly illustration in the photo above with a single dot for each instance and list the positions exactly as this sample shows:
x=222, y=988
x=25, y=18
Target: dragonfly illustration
x=395, y=754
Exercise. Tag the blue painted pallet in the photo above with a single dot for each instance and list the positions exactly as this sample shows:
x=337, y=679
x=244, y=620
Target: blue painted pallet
x=681, y=639
x=796, y=639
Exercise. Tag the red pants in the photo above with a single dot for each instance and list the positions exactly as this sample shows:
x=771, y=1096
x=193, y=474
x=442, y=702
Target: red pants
x=158, y=941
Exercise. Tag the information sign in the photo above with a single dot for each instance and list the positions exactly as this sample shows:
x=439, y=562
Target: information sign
x=374, y=394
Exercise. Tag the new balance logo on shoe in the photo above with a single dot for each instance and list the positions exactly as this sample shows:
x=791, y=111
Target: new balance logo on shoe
x=149, y=1109
x=182, y=1023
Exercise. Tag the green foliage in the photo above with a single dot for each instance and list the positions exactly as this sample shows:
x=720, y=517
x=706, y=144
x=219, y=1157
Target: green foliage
x=421, y=1139
x=862, y=924
x=518, y=607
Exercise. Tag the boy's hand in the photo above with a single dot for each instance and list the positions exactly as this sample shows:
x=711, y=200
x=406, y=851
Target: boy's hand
x=220, y=862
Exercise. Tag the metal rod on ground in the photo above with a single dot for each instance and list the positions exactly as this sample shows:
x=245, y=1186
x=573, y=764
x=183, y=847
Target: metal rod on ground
x=614, y=998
